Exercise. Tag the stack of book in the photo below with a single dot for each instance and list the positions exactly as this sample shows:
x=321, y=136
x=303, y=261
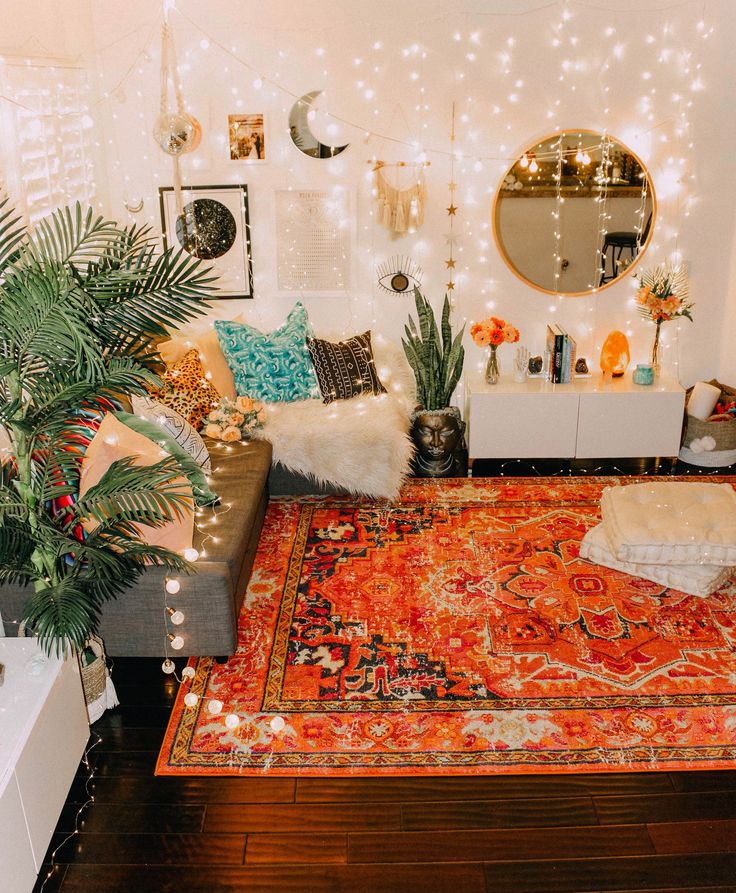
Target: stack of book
x=561, y=350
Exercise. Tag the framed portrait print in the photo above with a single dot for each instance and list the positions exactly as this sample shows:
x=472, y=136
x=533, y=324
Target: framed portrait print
x=247, y=137
x=213, y=226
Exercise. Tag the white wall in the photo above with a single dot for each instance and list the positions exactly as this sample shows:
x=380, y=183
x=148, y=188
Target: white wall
x=661, y=82
x=46, y=28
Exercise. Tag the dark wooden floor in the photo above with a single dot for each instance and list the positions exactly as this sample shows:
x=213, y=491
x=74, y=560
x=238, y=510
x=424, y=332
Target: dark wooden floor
x=662, y=832
x=506, y=834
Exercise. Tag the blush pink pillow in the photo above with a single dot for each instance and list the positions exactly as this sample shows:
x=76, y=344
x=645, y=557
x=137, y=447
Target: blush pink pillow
x=114, y=440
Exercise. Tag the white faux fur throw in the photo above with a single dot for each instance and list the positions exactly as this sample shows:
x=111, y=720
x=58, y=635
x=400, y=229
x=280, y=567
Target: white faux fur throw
x=361, y=445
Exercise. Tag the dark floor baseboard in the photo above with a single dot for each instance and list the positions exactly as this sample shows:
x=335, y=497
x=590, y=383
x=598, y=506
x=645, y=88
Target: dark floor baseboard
x=608, y=466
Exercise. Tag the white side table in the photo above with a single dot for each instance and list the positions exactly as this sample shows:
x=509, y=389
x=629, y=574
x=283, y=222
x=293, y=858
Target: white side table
x=43, y=733
x=589, y=418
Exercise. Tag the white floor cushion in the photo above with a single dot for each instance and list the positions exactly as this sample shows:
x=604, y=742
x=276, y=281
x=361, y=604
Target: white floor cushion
x=695, y=579
x=678, y=522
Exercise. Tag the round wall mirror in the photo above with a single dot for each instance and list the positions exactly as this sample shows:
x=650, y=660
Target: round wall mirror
x=574, y=213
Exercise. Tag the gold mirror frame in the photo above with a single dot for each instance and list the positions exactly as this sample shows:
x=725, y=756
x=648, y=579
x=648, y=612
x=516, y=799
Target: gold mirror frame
x=500, y=195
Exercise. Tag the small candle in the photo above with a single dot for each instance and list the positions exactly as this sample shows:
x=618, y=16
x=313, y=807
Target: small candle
x=703, y=399
x=643, y=374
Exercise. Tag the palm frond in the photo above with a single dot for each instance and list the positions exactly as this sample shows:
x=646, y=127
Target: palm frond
x=12, y=232
x=71, y=237
x=16, y=547
x=58, y=393
x=164, y=294
x=150, y=494
x=44, y=320
x=62, y=616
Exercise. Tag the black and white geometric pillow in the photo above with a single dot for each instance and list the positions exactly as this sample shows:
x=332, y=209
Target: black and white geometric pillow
x=177, y=426
x=345, y=369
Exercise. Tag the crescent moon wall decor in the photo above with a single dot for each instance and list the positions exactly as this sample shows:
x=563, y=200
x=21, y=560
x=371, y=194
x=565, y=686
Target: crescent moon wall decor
x=302, y=136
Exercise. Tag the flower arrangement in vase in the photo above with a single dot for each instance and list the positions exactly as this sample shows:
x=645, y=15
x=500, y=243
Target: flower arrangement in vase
x=493, y=332
x=234, y=420
x=663, y=295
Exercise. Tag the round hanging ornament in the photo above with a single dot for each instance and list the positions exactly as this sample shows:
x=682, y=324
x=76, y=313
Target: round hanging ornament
x=177, y=133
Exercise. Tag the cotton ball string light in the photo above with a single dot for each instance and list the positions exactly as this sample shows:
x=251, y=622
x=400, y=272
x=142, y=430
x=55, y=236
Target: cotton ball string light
x=168, y=666
x=190, y=699
x=172, y=586
x=188, y=672
x=232, y=721
x=176, y=617
x=214, y=706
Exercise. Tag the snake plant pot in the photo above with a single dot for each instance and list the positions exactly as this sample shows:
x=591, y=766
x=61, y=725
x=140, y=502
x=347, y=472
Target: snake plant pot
x=439, y=441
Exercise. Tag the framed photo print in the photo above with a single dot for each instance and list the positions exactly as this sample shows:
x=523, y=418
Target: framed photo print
x=247, y=137
x=213, y=226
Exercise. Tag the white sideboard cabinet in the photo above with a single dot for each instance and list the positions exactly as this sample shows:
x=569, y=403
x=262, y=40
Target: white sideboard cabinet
x=43, y=733
x=589, y=418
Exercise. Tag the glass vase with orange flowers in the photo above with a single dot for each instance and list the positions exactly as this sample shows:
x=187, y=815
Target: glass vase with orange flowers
x=663, y=295
x=492, y=333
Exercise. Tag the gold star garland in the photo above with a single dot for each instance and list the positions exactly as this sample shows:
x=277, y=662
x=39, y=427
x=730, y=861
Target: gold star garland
x=451, y=210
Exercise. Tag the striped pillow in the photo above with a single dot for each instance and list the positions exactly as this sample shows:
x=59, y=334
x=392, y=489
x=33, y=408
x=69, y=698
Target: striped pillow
x=177, y=426
x=345, y=369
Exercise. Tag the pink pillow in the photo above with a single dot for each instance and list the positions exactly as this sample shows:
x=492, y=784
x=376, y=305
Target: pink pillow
x=114, y=440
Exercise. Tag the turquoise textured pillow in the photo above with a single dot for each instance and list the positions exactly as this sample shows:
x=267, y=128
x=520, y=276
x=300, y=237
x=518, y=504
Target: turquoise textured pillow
x=201, y=491
x=275, y=368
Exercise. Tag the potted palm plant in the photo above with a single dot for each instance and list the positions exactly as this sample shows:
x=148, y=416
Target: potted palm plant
x=436, y=358
x=82, y=303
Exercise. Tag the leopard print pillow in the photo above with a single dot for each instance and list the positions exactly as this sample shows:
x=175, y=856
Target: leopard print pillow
x=187, y=390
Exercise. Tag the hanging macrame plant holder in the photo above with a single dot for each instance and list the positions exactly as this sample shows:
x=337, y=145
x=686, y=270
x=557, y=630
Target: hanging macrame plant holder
x=177, y=132
x=401, y=204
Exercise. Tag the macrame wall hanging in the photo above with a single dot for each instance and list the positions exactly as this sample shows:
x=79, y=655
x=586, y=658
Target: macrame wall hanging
x=177, y=132
x=401, y=195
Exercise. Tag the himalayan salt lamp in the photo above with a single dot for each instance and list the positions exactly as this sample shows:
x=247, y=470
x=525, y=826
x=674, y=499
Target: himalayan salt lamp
x=615, y=354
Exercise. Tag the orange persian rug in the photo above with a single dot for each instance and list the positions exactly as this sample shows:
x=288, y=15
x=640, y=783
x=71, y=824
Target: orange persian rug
x=458, y=631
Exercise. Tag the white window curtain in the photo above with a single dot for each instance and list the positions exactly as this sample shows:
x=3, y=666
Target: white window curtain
x=46, y=152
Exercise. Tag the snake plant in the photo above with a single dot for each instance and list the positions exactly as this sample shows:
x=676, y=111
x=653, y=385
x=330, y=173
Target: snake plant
x=436, y=358
x=82, y=303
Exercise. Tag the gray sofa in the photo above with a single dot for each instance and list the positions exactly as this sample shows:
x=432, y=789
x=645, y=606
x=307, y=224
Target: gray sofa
x=136, y=624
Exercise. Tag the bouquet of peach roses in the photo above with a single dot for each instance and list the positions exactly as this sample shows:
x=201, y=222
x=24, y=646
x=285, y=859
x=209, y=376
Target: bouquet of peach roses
x=235, y=419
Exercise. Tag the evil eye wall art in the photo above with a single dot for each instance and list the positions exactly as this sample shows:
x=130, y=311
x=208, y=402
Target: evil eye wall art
x=398, y=275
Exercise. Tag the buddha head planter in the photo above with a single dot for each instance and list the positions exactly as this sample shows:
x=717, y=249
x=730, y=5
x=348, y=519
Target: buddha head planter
x=615, y=355
x=439, y=442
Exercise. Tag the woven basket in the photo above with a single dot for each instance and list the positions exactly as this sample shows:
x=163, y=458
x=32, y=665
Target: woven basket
x=722, y=431
x=94, y=674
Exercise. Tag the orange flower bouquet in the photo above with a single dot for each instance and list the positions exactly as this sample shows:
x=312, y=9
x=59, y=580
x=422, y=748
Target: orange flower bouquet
x=663, y=295
x=492, y=332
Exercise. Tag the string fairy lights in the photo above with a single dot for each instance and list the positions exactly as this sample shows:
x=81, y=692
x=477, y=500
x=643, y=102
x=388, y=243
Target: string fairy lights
x=574, y=68
x=81, y=810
